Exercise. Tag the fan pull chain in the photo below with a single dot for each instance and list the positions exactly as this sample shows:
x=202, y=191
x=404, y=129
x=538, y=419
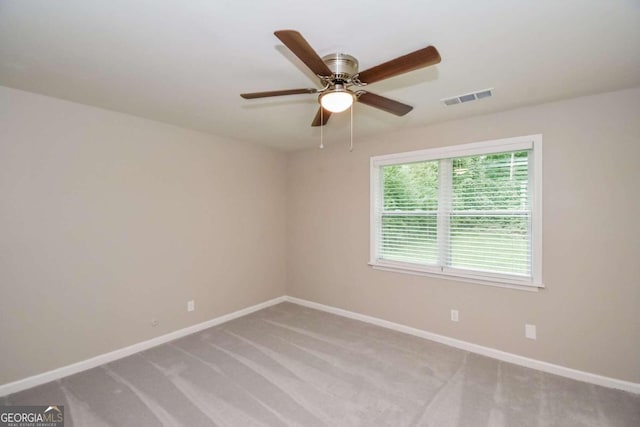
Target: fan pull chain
x=351, y=145
x=321, y=127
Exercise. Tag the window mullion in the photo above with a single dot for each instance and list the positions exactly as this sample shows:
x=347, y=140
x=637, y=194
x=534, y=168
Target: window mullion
x=444, y=211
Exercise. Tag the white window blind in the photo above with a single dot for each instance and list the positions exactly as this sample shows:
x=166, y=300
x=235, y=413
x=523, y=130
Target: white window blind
x=489, y=215
x=472, y=215
x=409, y=217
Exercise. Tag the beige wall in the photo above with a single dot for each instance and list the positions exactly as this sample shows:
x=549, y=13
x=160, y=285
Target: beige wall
x=587, y=317
x=108, y=221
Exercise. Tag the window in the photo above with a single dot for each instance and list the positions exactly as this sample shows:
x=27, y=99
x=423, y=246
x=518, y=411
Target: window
x=471, y=211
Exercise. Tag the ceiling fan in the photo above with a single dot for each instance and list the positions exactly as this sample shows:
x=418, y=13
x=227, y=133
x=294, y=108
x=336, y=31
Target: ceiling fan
x=338, y=73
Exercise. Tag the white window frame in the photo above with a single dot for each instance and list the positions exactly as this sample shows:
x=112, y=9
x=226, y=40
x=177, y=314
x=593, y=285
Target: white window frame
x=529, y=142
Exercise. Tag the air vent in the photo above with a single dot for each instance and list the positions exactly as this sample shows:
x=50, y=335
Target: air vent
x=484, y=94
x=468, y=97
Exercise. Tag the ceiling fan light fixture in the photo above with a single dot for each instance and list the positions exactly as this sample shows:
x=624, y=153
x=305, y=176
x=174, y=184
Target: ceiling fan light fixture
x=339, y=71
x=336, y=100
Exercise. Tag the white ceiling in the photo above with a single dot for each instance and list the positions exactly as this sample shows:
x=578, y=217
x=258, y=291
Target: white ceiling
x=186, y=62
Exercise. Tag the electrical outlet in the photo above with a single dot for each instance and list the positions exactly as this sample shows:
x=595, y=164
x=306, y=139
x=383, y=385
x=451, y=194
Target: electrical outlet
x=454, y=315
x=155, y=322
x=191, y=305
x=530, y=331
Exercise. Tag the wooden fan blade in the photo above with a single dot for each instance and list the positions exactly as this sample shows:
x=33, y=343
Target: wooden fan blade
x=299, y=46
x=254, y=95
x=385, y=104
x=325, y=118
x=403, y=64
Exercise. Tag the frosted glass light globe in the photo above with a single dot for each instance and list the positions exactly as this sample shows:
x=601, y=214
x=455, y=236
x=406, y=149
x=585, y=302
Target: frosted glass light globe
x=336, y=101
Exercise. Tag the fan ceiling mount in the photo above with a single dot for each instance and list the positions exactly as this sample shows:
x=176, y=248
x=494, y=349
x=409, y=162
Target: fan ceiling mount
x=342, y=81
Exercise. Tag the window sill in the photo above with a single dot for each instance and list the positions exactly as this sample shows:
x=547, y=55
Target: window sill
x=487, y=281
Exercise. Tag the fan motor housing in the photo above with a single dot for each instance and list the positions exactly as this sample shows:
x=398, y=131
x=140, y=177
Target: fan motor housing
x=342, y=66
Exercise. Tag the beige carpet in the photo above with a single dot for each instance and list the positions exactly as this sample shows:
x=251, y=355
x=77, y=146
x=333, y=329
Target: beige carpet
x=292, y=366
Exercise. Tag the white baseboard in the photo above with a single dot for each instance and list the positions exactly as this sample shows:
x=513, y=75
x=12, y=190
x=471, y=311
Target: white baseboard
x=84, y=365
x=475, y=348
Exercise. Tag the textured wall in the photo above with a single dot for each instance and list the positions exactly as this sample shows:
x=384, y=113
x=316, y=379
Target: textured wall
x=108, y=221
x=587, y=317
